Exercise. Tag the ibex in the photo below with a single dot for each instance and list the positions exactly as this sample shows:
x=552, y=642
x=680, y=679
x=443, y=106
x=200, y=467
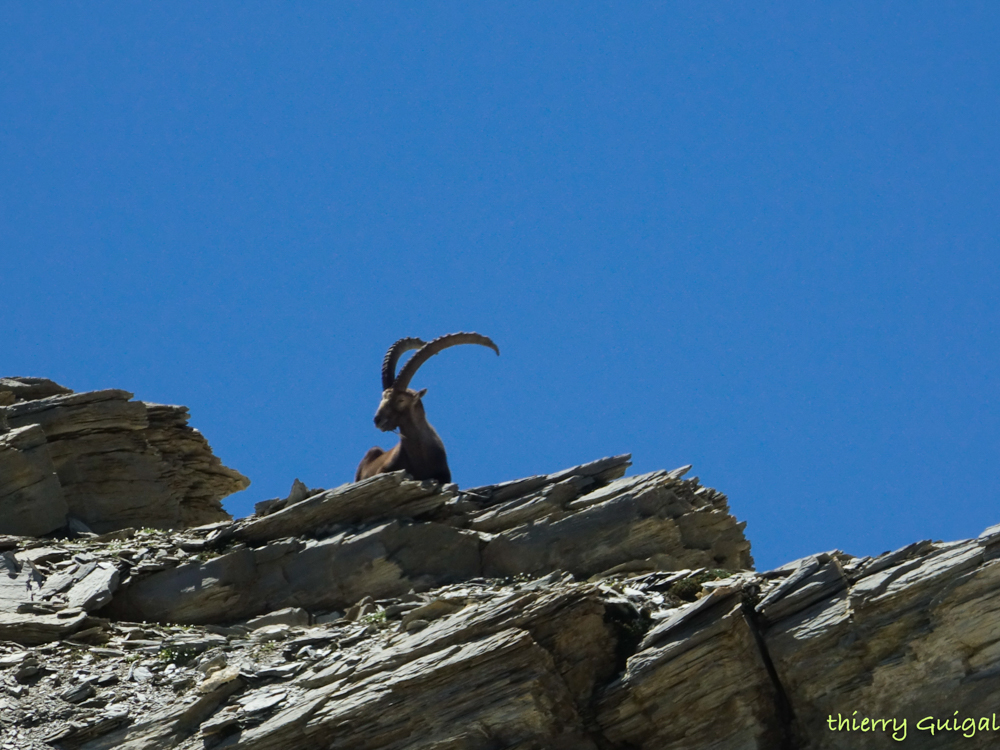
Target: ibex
x=420, y=451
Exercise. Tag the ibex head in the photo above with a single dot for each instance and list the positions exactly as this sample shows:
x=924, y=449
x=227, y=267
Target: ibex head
x=394, y=404
x=399, y=400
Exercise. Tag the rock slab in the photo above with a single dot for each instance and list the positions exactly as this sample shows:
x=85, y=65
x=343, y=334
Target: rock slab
x=32, y=502
x=641, y=655
x=117, y=463
x=386, y=535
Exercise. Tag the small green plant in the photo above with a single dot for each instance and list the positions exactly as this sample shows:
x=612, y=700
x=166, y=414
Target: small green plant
x=687, y=590
x=115, y=547
x=630, y=626
x=175, y=655
x=266, y=649
x=516, y=579
x=376, y=618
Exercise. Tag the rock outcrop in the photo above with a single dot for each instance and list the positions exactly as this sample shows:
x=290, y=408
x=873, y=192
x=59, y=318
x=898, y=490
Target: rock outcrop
x=31, y=499
x=103, y=460
x=702, y=658
x=387, y=535
x=582, y=609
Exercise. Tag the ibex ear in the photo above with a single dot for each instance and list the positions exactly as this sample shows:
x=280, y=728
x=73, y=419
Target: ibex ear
x=420, y=393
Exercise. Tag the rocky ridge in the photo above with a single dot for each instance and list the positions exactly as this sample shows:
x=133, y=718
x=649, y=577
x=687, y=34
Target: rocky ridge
x=98, y=461
x=581, y=609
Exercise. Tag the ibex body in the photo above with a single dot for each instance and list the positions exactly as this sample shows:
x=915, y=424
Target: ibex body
x=420, y=451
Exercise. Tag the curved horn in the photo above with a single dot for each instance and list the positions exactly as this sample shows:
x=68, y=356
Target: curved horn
x=392, y=357
x=429, y=350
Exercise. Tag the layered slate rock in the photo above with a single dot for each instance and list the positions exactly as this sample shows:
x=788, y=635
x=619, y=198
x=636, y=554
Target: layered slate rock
x=380, y=497
x=32, y=628
x=655, y=521
x=698, y=681
x=511, y=694
x=32, y=502
x=908, y=635
x=385, y=560
x=119, y=462
x=17, y=389
x=830, y=652
x=305, y=648
x=388, y=534
x=492, y=666
x=197, y=479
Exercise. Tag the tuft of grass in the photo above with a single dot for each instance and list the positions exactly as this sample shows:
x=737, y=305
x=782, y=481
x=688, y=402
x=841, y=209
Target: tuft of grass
x=687, y=590
x=265, y=649
x=173, y=655
x=376, y=618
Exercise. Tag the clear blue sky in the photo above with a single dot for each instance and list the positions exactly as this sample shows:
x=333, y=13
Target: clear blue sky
x=758, y=238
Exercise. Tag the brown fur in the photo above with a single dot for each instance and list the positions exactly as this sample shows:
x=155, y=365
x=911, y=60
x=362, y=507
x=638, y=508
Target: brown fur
x=420, y=451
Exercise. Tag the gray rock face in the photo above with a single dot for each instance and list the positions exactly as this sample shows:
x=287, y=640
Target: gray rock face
x=906, y=640
x=387, y=559
x=32, y=629
x=32, y=502
x=94, y=590
x=28, y=389
x=671, y=642
x=659, y=520
x=702, y=682
x=196, y=478
x=382, y=496
x=386, y=535
x=117, y=462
